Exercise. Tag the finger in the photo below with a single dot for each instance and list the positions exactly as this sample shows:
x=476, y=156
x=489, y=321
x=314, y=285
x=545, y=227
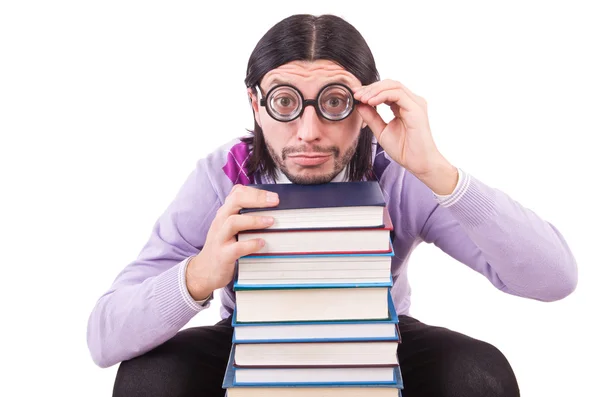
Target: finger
x=372, y=118
x=242, y=248
x=397, y=96
x=374, y=89
x=237, y=223
x=248, y=197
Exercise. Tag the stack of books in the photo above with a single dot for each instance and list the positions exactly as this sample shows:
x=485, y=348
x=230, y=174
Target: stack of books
x=314, y=314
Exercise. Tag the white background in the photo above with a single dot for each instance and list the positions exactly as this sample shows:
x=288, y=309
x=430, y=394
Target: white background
x=106, y=106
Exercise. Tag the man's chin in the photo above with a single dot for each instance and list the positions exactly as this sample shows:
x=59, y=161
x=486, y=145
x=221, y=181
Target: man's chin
x=310, y=177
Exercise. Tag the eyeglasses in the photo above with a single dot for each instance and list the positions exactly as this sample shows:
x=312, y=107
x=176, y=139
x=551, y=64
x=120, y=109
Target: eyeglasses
x=285, y=102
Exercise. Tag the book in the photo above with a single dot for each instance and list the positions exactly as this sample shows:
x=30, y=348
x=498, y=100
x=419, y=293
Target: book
x=317, y=354
x=352, y=330
x=350, y=240
x=329, y=205
x=294, y=376
x=331, y=391
x=314, y=269
x=314, y=314
x=311, y=303
x=366, y=381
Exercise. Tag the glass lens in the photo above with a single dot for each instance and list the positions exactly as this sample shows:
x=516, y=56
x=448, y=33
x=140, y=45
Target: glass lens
x=335, y=102
x=285, y=103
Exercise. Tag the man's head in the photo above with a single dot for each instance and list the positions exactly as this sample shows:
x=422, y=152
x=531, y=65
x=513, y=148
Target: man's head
x=308, y=53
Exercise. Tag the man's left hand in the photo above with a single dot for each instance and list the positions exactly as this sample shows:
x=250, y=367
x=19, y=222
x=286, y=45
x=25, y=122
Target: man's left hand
x=407, y=138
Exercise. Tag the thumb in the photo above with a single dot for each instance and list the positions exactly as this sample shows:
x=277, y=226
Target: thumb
x=372, y=118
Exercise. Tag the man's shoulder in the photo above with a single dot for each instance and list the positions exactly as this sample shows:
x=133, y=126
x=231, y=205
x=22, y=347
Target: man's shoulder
x=226, y=165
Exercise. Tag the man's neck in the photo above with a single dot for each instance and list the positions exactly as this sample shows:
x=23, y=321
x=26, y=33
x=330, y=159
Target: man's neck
x=281, y=178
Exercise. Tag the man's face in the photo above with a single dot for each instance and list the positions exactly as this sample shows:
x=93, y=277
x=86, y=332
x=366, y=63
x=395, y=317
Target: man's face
x=309, y=149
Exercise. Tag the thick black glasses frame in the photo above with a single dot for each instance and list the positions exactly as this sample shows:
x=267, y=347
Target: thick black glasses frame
x=305, y=102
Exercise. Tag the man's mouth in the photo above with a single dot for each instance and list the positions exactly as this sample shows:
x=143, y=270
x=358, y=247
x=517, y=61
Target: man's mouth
x=309, y=159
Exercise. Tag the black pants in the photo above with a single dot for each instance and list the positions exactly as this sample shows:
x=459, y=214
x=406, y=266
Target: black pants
x=434, y=362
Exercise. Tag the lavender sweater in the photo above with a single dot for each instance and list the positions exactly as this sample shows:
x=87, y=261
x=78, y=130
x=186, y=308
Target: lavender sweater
x=148, y=303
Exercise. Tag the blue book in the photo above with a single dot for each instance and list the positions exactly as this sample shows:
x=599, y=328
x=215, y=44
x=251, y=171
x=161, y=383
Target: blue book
x=318, y=331
x=367, y=378
x=329, y=205
x=326, y=195
x=314, y=285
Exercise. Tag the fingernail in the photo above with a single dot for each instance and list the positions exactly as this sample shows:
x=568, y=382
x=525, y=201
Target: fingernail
x=272, y=197
x=267, y=220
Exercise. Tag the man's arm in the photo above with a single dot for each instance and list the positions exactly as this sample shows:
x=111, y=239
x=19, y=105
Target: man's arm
x=484, y=228
x=148, y=301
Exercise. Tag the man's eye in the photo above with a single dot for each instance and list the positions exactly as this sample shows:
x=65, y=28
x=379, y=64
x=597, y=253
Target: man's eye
x=334, y=102
x=284, y=102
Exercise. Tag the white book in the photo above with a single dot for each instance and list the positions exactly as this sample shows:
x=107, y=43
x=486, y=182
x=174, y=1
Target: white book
x=312, y=392
x=312, y=375
x=317, y=331
x=307, y=269
x=311, y=304
x=317, y=354
x=321, y=241
x=310, y=218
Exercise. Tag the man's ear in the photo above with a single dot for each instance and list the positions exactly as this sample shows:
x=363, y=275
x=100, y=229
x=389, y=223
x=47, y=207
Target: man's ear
x=254, y=103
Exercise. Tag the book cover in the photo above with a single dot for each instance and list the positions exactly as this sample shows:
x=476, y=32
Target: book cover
x=392, y=320
x=323, y=241
x=229, y=380
x=327, y=195
x=386, y=224
x=308, y=256
x=251, y=287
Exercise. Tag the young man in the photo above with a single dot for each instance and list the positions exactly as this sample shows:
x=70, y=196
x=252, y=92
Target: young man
x=313, y=88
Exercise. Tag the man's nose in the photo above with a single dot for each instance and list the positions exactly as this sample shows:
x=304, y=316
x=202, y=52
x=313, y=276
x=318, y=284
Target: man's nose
x=309, y=128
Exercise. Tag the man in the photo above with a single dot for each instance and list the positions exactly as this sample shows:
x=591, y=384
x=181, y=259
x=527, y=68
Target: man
x=314, y=89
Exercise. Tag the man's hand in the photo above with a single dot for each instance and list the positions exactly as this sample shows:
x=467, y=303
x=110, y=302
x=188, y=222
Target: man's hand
x=214, y=266
x=407, y=138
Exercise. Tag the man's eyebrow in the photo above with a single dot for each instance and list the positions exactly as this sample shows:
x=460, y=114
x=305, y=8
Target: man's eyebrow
x=276, y=81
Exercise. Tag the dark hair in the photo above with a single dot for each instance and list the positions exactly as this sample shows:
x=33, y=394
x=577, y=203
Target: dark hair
x=311, y=38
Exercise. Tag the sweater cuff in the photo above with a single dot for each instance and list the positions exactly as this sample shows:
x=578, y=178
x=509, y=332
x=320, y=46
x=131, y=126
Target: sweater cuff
x=175, y=304
x=473, y=203
x=449, y=199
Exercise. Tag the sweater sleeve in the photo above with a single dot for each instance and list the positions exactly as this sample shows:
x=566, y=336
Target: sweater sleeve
x=148, y=301
x=519, y=252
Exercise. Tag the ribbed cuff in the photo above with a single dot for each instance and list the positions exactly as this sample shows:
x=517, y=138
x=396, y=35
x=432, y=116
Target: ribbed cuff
x=175, y=304
x=472, y=204
x=198, y=305
x=449, y=199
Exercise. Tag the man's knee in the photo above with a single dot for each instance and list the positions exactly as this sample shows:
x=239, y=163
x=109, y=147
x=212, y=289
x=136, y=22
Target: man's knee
x=477, y=368
x=192, y=363
x=152, y=375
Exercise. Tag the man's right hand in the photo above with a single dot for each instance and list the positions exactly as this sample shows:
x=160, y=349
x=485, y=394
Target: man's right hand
x=214, y=266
